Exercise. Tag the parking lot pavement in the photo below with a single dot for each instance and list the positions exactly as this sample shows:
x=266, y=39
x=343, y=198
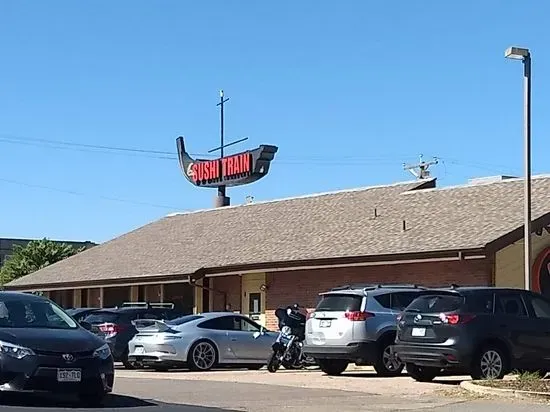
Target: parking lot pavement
x=307, y=391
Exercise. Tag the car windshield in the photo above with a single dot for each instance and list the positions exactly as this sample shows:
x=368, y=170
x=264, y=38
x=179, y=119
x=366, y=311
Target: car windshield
x=436, y=303
x=183, y=319
x=34, y=314
x=339, y=303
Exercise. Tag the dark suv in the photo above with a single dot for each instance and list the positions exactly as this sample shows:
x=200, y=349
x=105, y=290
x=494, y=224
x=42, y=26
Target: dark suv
x=482, y=331
x=115, y=324
x=357, y=324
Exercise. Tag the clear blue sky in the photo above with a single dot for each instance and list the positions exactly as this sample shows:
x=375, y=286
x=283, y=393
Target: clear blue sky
x=348, y=90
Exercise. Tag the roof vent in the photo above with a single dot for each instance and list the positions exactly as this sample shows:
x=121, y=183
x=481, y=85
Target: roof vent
x=489, y=179
x=249, y=200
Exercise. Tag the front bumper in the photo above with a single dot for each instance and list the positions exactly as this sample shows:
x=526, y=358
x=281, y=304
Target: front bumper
x=39, y=373
x=432, y=356
x=358, y=352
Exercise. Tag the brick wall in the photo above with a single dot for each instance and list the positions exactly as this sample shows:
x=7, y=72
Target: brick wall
x=303, y=287
x=231, y=285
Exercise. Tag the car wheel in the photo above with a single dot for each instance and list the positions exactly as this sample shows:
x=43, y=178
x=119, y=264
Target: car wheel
x=387, y=364
x=333, y=367
x=127, y=364
x=490, y=363
x=422, y=373
x=92, y=400
x=202, y=356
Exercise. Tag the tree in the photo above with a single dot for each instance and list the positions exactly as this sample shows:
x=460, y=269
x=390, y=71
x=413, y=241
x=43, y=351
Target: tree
x=36, y=255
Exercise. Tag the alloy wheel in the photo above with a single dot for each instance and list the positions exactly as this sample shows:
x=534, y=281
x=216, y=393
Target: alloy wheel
x=204, y=356
x=390, y=359
x=491, y=364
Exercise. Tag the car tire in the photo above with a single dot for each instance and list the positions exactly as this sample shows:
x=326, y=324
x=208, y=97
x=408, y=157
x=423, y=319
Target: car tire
x=387, y=365
x=333, y=367
x=489, y=363
x=202, y=356
x=92, y=399
x=422, y=373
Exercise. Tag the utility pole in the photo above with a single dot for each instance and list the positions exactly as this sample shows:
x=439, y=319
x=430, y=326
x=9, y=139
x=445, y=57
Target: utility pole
x=420, y=169
x=221, y=199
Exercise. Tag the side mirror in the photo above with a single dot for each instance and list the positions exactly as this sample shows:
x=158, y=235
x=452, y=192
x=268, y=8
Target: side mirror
x=86, y=325
x=256, y=335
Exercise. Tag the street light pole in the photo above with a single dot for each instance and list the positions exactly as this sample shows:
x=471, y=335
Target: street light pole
x=524, y=54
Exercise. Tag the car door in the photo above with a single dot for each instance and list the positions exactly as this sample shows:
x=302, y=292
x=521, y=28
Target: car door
x=539, y=310
x=515, y=325
x=220, y=331
x=248, y=341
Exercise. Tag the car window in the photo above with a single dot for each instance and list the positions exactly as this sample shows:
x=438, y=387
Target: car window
x=480, y=302
x=400, y=300
x=221, y=323
x=34, y=314
x=183, y=319
x=510, y=304
x=541, y=307
x=149, y=315
x=101, y=317
x=384, y=300
x=245, y=325
x=339, y=303
x=436, y=303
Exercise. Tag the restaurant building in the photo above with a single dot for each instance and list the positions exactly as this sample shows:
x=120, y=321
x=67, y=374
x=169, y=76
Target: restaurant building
x=256, y=257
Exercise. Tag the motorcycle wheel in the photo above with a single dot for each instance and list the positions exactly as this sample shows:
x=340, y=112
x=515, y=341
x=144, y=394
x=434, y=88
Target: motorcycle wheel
x=273, y=364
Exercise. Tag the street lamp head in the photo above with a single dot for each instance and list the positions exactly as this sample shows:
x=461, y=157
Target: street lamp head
x=517, y=53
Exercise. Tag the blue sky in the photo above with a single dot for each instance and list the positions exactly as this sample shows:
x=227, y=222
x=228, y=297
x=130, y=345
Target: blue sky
x=348, y=90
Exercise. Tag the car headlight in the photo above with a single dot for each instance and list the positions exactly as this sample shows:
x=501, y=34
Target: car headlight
x=15, y=351
x=103, y=352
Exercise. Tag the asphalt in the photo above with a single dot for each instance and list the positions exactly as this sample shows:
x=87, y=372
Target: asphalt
x=168, y=395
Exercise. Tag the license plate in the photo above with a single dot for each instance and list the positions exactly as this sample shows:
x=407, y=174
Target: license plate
x=139, y=350
x=418, y=332
x=69, y=375
x=324, y=323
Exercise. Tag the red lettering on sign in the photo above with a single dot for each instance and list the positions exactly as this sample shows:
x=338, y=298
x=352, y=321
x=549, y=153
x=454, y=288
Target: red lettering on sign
x=230, y=161
x=195, y=171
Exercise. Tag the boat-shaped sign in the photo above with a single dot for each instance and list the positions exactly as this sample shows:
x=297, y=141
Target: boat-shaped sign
x=235, y=170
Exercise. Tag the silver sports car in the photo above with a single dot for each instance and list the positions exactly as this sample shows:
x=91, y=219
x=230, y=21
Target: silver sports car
x=201, y=342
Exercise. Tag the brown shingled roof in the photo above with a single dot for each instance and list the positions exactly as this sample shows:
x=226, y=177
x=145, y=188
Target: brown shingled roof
x=332, y=225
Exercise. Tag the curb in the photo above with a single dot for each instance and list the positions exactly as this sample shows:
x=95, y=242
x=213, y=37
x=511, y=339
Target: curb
x=508, y=393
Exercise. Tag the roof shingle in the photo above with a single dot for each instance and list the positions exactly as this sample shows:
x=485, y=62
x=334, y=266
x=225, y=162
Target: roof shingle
x=332, y=225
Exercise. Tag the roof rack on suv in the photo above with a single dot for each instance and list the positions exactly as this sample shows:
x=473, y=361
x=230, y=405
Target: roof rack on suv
x=147, y=305
x=369, y=286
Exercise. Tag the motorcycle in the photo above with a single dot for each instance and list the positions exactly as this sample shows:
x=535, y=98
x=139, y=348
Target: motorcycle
x=288, y=347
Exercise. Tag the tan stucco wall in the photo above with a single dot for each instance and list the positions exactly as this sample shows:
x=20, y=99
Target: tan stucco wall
x=509, y=261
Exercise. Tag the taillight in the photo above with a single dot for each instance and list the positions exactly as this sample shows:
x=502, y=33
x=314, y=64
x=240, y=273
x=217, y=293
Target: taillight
x=357, y=316
x=110, y=328
x=455, y=319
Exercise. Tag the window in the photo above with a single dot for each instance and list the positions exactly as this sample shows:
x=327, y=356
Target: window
x=510, y=304
x=340, y=303
x=541, y=307
x=222, y=323
x=401, y=300
x=436, y=303
x=246, y=325
x=183, y=319
x=480, y=302
x=254, y=303
x=148, y=315
x=24, y=313
x=101, y=317
x=384, y=300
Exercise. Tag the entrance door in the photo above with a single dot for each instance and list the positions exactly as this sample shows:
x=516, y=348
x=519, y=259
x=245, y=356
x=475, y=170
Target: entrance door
x=253, y=298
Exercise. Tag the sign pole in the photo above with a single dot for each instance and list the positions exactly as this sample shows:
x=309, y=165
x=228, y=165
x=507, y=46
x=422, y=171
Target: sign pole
x=221, y=199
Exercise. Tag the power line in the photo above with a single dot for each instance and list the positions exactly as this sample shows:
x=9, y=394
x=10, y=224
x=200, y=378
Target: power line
x=72, y=192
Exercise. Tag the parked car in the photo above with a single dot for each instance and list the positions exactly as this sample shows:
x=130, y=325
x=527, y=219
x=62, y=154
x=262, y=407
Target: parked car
x=482, y=331
x=201, y=342
x=42, y=348
x=115, y=324
x=79, y=314
x=357, y=324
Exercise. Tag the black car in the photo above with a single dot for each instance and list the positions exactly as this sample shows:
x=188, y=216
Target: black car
x=79, y=314
x=115, y=326
x=42, y=349
x=482, y=331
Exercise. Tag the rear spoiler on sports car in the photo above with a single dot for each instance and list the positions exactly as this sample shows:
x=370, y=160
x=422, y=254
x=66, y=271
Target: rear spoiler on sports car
x=151, y=325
